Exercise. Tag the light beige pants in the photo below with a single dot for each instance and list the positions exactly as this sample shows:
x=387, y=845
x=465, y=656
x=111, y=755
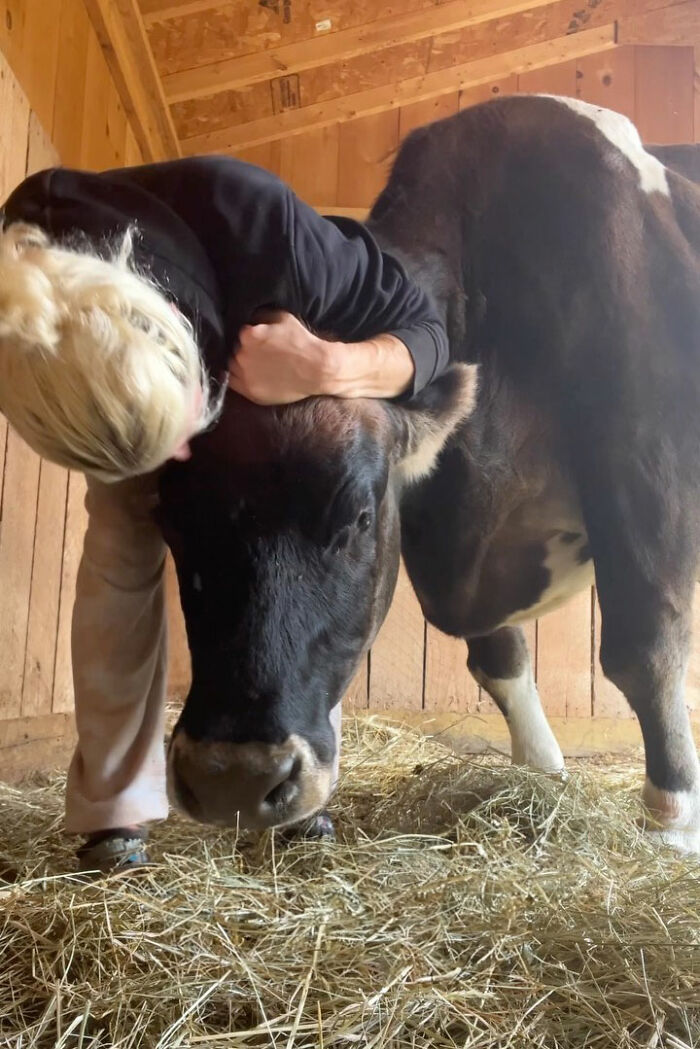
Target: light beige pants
x=119, y=648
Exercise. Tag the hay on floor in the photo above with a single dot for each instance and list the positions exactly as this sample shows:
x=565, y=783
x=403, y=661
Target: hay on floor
x=464, y=905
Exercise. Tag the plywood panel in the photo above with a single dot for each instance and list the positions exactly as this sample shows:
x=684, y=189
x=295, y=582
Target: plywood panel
x=367, y=147
x=564, y=653
x=664, y=88
x=76, y=521
x=309, y=164
x=552, y=80
x=472, y=96
x=425, y=112
x=45, y=590
x=396, y=661
x=69, y=102
x=608, y=80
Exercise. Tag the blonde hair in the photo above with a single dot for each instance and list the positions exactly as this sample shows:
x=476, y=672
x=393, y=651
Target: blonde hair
x=97, y=371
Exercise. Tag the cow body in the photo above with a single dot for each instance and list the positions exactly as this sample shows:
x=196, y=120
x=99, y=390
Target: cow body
x=565, y=260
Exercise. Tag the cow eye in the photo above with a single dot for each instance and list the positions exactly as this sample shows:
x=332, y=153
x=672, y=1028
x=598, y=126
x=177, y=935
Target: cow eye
x=364, y=520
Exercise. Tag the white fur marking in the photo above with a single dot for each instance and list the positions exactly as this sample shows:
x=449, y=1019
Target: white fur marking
x=622, y=133
x=532, y=740
x=568, y=577
x=677, y=814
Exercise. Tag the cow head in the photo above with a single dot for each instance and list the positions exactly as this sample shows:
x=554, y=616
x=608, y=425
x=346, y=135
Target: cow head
x=285, y=533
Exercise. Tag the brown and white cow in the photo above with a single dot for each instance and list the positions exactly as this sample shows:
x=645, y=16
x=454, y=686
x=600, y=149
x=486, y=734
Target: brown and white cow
x=566, y=261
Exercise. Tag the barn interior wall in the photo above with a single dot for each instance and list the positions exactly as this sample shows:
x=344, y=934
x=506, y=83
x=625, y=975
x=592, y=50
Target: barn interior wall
x=59, y=102
x=59, y=105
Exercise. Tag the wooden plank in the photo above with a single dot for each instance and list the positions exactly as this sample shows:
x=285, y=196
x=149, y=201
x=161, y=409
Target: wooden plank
x=39, y=63
x=416, y=114
x=132, y=152
x=76, y=521
x=357, y=694
x=393, y=96
x=19, y=507
x=122, y=36
x=396, y=660
x=608, y=701
x=14, y=133
x=401, y=28
x=608, y=80
x=20, y=464
x=448, y=683
x=366, y=149
x=472, y=96
x=95, y=153
x=564, y=640
x=559, y=79
x=69, y=102
x=678, y=24
x=116, y=128
x=35, y=744
x=664, y=85
x=45, y=586
x=267, y=156
x=309, y=164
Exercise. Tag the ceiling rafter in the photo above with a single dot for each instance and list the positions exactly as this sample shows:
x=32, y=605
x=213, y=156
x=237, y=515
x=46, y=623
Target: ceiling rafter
x=391, y=96
x=402, y=28
x=122, y=36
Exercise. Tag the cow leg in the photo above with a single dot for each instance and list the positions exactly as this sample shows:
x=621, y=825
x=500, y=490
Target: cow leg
x=644, y=650
x=642, y=521
x=500, y=663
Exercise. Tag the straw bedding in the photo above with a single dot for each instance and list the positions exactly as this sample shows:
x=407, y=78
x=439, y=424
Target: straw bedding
x=464, y=904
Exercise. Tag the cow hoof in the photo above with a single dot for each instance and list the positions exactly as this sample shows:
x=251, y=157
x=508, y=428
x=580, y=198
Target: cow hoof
x=316, y=828
x=672, y=818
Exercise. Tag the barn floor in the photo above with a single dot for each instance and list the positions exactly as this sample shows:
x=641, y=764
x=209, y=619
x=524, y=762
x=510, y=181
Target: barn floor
x=537, y=917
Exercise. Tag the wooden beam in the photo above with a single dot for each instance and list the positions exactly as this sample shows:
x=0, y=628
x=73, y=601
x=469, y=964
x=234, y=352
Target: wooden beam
x=338, y=47
x=679, y=24
x=122, y=36
x=377, y=100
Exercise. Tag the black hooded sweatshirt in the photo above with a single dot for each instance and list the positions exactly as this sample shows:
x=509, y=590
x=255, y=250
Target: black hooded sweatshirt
x=223, y=238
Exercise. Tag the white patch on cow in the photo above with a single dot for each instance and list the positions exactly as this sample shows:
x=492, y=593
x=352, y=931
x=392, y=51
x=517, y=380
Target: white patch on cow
x=532, y=740
x=567, y=577
x=197, y=582
x=622, y=133
x=676, y=816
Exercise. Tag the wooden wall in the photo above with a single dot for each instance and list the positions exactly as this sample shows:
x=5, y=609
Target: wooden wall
x=57, y=103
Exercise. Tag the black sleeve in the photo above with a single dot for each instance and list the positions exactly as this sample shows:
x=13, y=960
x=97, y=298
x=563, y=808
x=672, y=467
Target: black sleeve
x=347, y=286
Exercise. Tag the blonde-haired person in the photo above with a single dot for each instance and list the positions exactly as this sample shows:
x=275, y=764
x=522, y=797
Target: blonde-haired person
x=128, y=300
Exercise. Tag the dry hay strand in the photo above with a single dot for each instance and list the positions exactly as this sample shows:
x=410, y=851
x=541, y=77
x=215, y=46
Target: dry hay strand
x=465, y=904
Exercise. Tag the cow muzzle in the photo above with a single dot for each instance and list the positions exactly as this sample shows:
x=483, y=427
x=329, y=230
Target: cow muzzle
x=247, y=785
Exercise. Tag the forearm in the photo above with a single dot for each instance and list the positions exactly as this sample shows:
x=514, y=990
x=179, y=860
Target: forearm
x=378, y=367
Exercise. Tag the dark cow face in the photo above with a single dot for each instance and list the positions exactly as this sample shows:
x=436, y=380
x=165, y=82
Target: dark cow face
x=285, y=534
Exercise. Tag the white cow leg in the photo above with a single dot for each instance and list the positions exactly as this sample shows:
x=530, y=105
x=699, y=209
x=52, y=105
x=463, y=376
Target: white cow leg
x=500, y=663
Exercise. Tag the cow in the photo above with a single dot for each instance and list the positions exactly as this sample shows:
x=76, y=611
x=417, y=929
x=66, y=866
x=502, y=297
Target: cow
x=562, y=446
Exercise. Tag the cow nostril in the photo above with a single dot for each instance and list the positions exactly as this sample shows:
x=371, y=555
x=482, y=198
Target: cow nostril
x=285, y=791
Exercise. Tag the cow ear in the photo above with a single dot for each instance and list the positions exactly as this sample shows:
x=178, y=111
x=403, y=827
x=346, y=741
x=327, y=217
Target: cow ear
x=421, y=427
